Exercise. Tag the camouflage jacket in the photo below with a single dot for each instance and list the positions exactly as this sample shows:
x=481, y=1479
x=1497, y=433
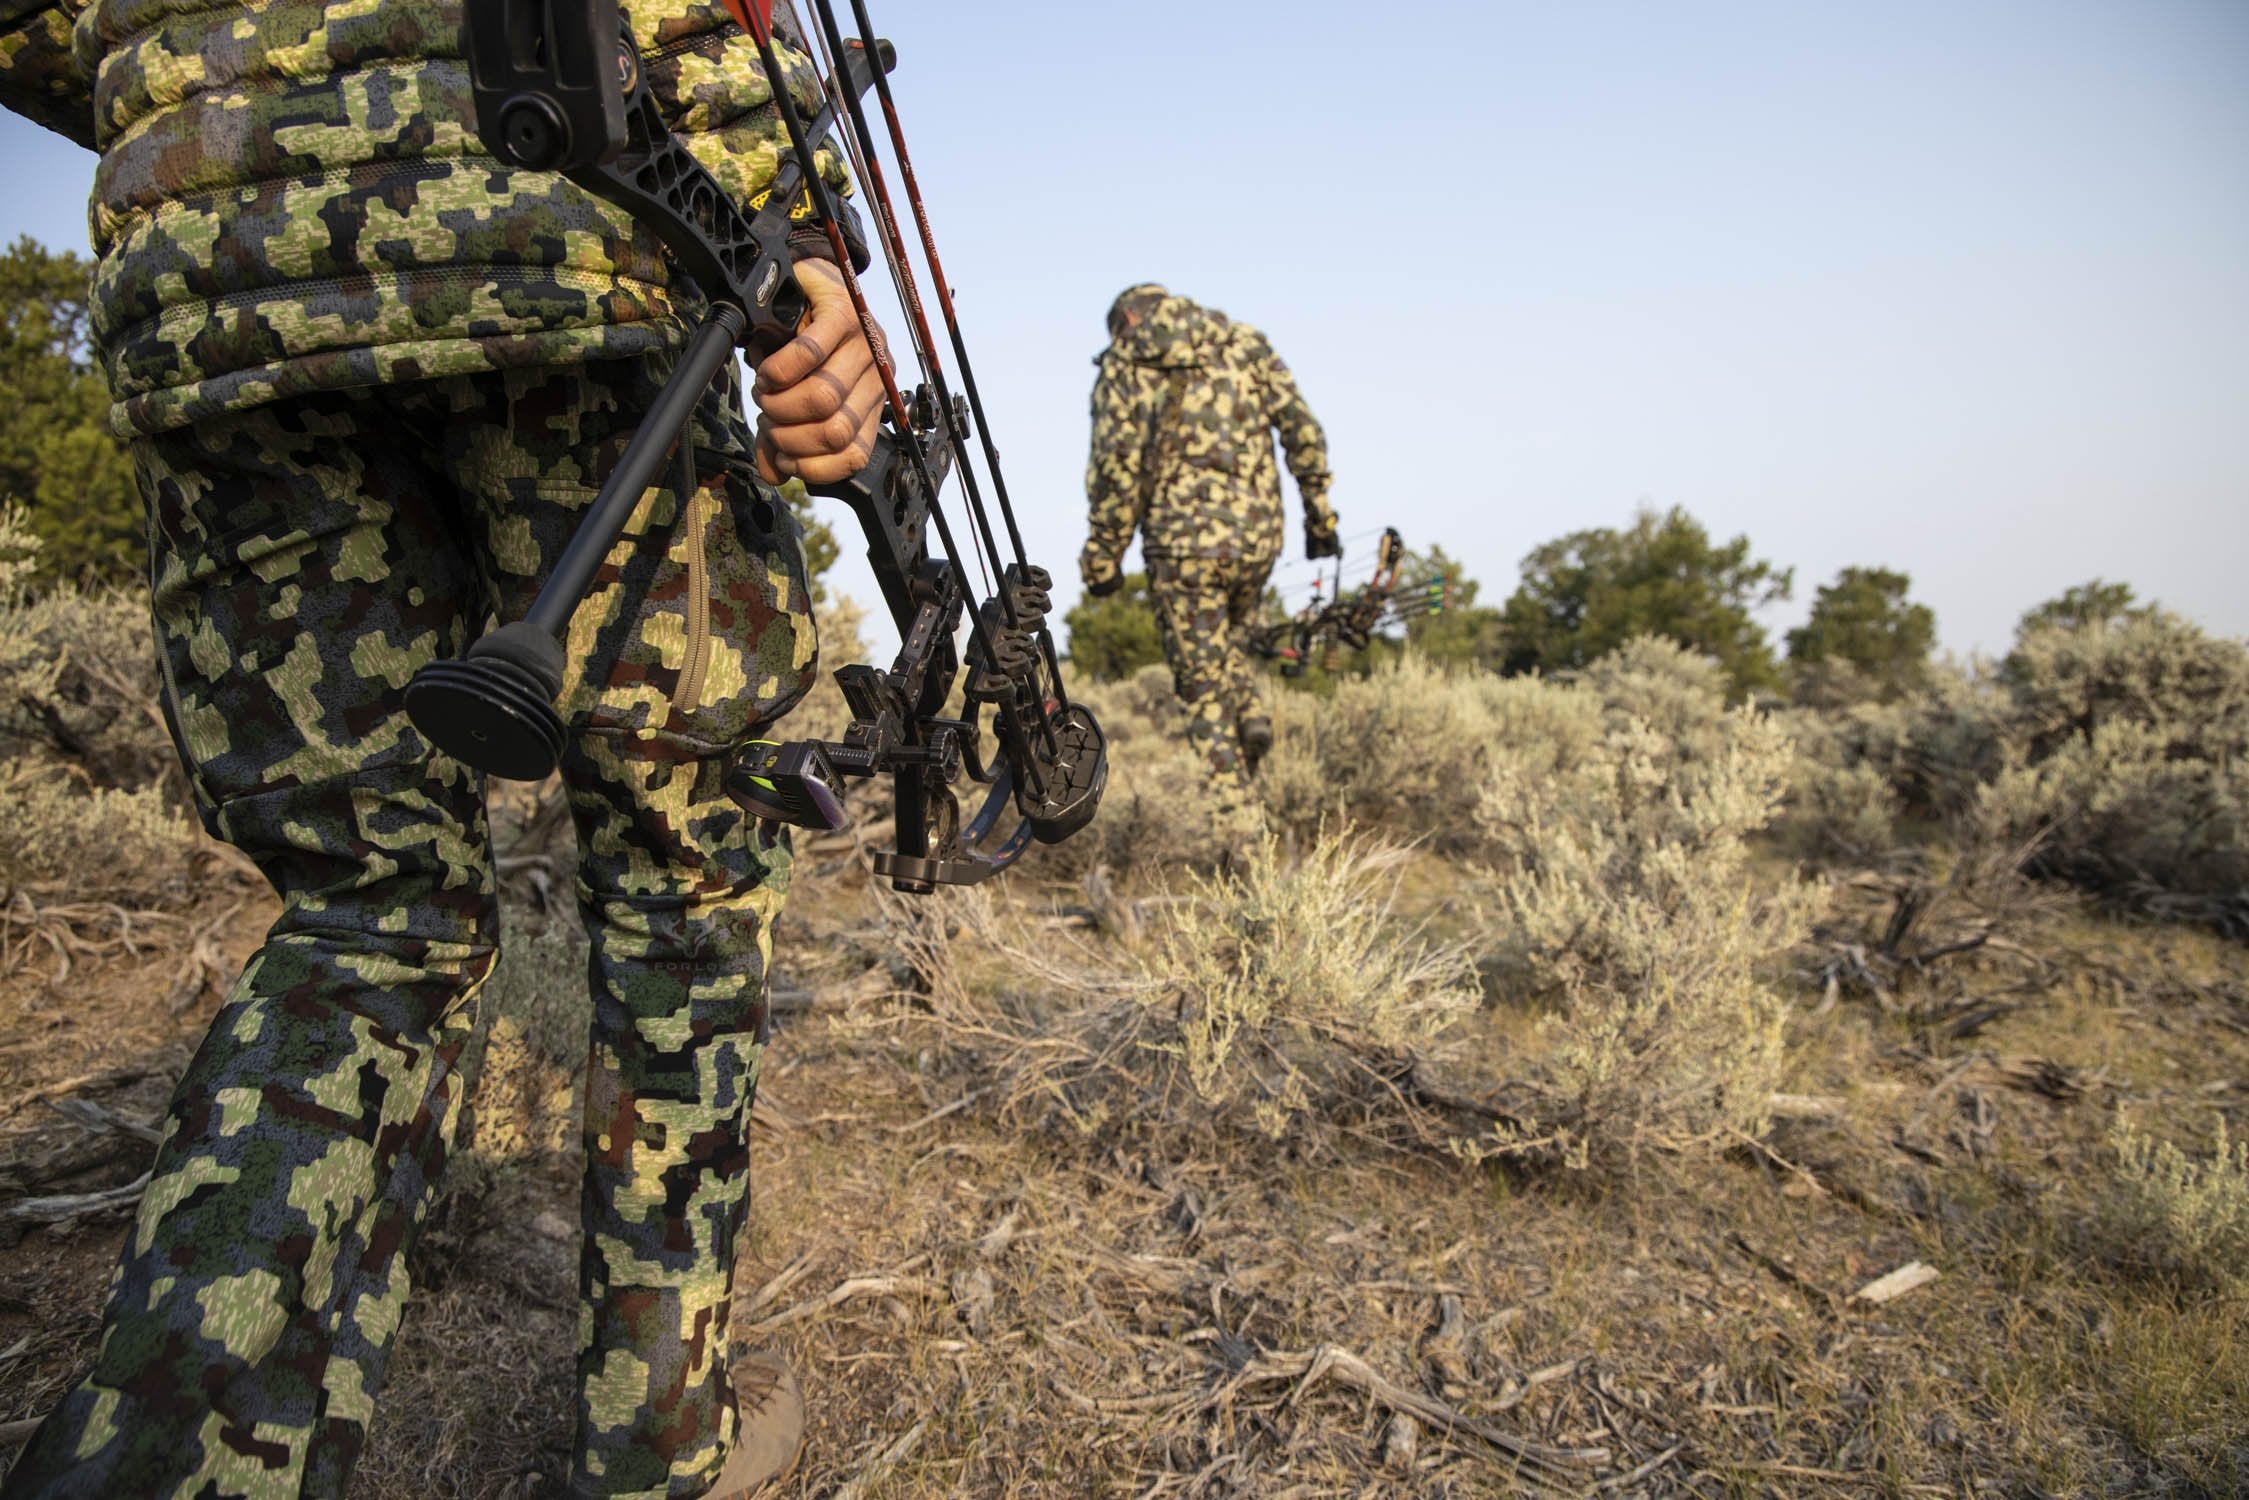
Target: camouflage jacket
x=1184, y=413
x=292, y=197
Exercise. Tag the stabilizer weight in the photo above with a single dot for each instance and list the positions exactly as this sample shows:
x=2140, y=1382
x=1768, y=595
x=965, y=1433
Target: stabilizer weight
x=494, y=708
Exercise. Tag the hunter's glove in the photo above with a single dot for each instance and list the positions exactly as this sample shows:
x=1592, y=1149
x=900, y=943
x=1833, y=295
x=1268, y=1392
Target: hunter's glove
x=1100, y=574
x=1320, y=539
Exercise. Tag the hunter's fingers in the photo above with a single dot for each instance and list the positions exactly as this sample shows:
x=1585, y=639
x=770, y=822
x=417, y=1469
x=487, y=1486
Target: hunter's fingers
x=828, y=326
x=834, y=432
x=823, y=461
x=823, y=392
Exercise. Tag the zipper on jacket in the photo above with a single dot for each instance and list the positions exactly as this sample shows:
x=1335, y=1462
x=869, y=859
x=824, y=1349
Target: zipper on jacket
x=689, y=691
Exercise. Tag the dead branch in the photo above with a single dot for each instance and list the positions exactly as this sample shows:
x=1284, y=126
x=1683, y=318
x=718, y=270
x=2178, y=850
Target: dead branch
x=883, y=1462
x=788, y=1276
x=858, y=1286
x=1653, y=1464
x=55, y=1212
x=79, y=1084
x=1330, y=1362
x=86, y=1113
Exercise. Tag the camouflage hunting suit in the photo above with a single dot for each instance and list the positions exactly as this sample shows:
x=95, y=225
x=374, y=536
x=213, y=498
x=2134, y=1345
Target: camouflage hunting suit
x=372, y=380
x=1185, y=410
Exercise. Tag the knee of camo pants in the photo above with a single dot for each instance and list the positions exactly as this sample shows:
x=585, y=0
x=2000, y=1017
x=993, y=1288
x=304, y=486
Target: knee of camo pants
x=251, y=1312
x=1212, y=731
x=678, y=889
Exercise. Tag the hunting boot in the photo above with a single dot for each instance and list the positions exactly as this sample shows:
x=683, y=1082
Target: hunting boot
x=1256, y=735
x=768, y=1428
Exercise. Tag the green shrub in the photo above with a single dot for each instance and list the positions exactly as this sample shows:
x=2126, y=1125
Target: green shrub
x=2172, y=1215
x=2129, y=748
x=1113, y=637
x=1589, y=593
x=1631, y=915
x=57, y=454
x=1863, y=640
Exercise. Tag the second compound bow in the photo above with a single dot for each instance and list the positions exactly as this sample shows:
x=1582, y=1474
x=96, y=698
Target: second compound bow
x=1334, y=620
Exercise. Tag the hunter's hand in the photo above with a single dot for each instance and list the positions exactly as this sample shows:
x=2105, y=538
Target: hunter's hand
x=819, y=396
x=1099, y=572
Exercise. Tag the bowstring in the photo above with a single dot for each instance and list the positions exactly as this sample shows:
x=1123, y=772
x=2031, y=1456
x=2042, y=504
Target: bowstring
x=824, y=208
x=944, y=292
x=851, y=118
x=858, y=150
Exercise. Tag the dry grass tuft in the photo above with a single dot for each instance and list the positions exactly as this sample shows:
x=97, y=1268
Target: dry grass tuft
x=1294, y=985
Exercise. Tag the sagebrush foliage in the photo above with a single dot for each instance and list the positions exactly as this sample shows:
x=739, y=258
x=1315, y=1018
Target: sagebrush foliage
x=2170, y=1214
x=89, y=800
x=1608, y=821
x=1278, y=992
x=2129, y=760
x=1401, y=749
x=1630, y=913
x=73, y=842
x=1159, y=810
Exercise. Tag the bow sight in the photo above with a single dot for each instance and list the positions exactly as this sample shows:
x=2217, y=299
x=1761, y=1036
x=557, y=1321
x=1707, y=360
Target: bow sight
x=1351, y=619
x=558, y=88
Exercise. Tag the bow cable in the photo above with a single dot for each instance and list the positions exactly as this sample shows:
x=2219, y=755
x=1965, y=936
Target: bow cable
x=980, y=630
x=823, y=207
x=859, y=143
x=944, y=292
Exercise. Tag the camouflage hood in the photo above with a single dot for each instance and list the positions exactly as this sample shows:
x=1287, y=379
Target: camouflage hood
x=1177, y=333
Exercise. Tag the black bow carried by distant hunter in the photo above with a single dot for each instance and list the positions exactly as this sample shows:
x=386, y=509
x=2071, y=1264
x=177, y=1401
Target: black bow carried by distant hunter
x=1339, y=619
x=558, y=88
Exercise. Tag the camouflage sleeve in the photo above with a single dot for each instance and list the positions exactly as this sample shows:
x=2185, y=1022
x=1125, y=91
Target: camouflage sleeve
x=1302, y=439
x=710, y=83
x=1122, y=416
x=37, y=78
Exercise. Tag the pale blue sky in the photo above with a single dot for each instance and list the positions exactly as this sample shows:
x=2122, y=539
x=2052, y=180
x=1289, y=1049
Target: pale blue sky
x=1960, y=289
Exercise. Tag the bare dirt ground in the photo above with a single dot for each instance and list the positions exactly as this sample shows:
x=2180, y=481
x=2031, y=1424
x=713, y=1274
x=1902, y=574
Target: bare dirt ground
x=983, y=1308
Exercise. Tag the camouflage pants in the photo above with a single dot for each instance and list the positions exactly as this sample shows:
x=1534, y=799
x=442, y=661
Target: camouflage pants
x=308, y=556
x=1205, y=607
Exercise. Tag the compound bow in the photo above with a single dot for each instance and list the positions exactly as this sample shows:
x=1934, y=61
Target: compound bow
x=1352, y=619
x=558, y=87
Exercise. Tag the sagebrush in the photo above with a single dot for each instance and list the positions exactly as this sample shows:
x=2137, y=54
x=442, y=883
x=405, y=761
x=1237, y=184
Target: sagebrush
x=2179, y=1216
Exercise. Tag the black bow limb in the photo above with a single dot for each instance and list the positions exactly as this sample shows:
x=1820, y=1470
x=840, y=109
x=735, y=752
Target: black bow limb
x=558, y=87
